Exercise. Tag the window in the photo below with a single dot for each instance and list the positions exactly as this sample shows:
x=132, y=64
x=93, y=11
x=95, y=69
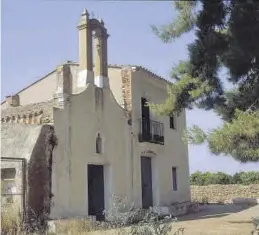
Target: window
x=98, y=144
x=8, y=173
x=8, y=185
x=172, y=122
x=174, y=176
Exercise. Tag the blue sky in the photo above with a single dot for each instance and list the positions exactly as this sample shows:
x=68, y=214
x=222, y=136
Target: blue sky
x=39, y=35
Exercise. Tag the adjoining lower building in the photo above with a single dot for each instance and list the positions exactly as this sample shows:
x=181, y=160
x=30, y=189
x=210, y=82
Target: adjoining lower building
x=26, y=165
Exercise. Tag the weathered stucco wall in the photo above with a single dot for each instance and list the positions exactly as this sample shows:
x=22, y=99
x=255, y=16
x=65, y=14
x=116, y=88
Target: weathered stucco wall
x=34, y=144
x=93, y=111
x=174, y=153
x=223, y=193
x=41, y=91
x=97, y=110
x=18, y=140
x=115, y=81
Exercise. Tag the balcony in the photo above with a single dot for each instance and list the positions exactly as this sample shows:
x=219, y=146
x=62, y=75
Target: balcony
x=151, y=131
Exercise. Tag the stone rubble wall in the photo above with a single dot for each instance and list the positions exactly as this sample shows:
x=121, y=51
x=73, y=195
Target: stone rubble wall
x=223, y=193
x=126, y=90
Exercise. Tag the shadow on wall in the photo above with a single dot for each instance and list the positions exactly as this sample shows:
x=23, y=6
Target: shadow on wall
x=39, y=175
x=214, y=211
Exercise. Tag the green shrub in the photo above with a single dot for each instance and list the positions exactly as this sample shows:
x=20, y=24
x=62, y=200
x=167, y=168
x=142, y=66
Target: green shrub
x=236, y=179
x=207, y=178
x=197, y=178
x=223, y=178
x=251, y=177
x=152, y=225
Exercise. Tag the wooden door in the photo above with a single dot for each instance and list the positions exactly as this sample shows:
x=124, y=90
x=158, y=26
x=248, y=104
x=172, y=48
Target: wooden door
x=96, y=191
x=146, y=182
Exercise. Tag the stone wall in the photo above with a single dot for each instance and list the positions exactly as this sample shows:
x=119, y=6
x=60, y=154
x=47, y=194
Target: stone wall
x=223, y=193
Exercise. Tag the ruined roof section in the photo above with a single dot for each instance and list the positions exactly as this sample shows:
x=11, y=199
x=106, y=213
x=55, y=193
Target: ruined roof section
x=18, y=140
x=37, y=113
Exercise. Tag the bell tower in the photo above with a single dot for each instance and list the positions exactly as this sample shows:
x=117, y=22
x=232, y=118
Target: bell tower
x=85, y=42
x=90, y=29
x=86, y=74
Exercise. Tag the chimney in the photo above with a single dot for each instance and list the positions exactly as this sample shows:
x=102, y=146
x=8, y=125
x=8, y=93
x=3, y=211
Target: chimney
x=13, y=100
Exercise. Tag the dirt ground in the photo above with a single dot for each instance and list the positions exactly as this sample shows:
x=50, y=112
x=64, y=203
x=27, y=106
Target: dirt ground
x=212, y=219
x=219, y=219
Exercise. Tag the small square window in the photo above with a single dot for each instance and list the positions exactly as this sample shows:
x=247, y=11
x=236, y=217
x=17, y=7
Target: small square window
x=8, y=173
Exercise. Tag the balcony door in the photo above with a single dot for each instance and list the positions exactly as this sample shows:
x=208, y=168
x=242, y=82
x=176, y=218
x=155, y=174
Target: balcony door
x=145, y=119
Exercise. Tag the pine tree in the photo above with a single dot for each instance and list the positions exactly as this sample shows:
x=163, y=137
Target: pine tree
x=226, y=35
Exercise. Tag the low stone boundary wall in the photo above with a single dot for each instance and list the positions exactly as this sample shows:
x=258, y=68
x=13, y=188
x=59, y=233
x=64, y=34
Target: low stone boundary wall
x=223, y=193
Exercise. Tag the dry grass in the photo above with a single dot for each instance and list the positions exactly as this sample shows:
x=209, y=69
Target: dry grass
x=149, y=225
x=10, y=220
x=74, y=226
x=12, y=224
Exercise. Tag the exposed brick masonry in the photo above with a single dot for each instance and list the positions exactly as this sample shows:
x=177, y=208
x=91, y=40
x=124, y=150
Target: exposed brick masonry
x=126, y=90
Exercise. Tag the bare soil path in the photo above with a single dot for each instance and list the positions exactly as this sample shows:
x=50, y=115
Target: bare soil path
x=219, y=219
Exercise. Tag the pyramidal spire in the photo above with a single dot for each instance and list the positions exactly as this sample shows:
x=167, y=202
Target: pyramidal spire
x=85, y=12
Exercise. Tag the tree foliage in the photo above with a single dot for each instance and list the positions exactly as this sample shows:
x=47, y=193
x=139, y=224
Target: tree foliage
x=238, y=138
x=207, y=178
x=226, y=35
x=184, y=22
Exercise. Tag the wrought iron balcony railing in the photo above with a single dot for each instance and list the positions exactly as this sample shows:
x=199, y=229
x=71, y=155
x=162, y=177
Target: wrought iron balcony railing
x=151, y=131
